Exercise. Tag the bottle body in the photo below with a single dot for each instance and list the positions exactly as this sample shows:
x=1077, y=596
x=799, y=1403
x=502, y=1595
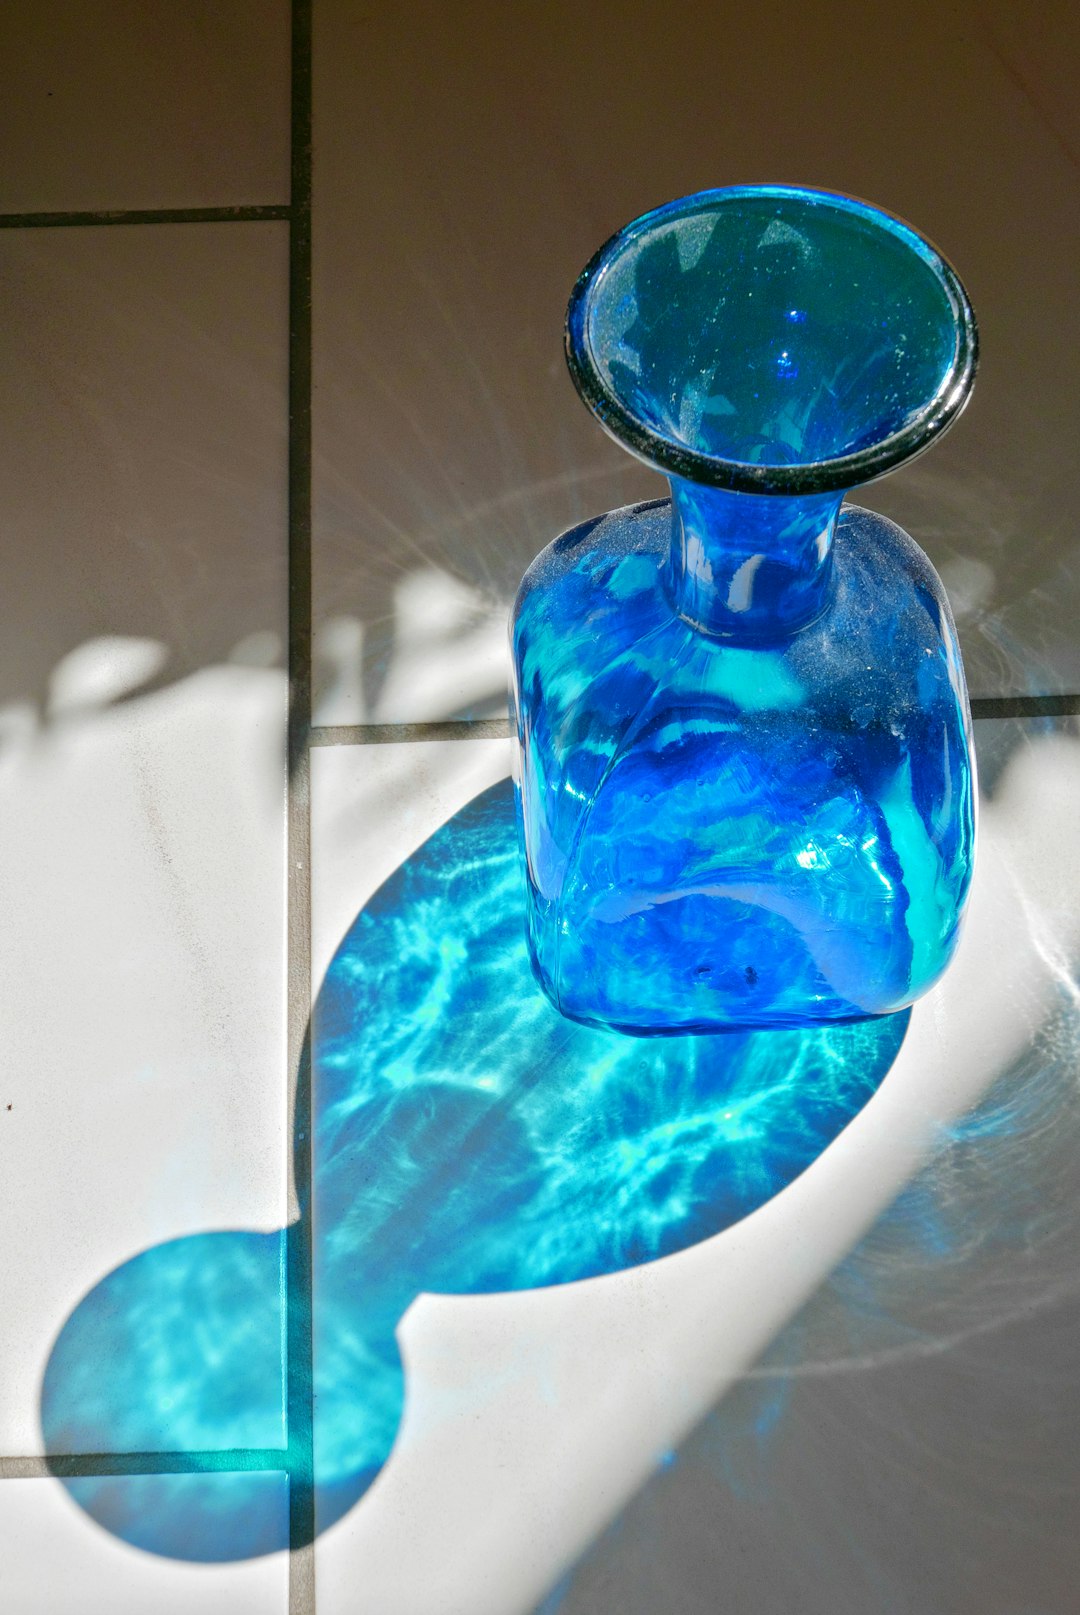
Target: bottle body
x=724, y=833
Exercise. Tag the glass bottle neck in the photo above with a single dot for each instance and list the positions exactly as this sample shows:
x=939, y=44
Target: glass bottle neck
x=749, y=566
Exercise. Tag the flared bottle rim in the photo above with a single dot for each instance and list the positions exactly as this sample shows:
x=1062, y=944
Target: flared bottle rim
x=927, y=419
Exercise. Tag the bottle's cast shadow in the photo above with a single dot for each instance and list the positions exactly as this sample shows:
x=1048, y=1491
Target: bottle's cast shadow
x=467, y=1139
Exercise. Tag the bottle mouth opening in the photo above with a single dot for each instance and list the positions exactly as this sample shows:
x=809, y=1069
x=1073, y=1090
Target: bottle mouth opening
x=772, y=339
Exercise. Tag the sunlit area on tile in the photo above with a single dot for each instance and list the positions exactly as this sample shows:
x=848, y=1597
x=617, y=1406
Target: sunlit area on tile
x=925, y=1393
x=548, y=1373
x=142, y=779
x=467, y=1140
x=776, y=1322
x=144, y=1096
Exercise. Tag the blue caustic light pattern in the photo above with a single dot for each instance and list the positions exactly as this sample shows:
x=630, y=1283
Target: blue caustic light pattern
x=209, y=1516
x=746, y=776
x=467, y=1139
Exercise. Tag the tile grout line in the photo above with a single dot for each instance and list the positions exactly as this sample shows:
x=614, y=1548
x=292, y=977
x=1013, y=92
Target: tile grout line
x=380, y=734
x=158, y=215
x=63, y=1465
x=297, y=1459
x=298, y=1307
x=377, y=734
x=1025, y=706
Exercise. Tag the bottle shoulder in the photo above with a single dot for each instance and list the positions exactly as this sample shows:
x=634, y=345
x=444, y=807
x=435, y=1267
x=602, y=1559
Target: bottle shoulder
x=594, y=602
x=607, y=553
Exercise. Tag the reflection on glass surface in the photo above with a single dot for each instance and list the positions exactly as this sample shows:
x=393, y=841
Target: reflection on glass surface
x=467, y=1139
x=771, y=338
x=723, y=836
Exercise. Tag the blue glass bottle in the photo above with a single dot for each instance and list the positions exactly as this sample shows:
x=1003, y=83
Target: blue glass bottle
x=746, y=781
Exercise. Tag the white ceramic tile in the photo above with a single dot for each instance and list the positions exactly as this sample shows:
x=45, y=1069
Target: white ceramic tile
x=912, y=1438
x=119, y=104
x=142, y=786
x=531, y=1418
x=1039, y=60
x=374, y=805
x=55, y=1559
x=938, y=1474
x=143, y=451
x=464, y=173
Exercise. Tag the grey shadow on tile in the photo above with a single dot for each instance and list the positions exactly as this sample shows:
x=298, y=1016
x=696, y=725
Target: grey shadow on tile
x=145, y=375
x=444, y=423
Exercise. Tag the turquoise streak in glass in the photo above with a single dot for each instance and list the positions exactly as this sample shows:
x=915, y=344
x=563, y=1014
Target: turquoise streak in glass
x=746, y=778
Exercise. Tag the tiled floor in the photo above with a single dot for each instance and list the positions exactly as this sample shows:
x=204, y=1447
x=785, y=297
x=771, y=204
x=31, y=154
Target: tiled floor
x=859, y=1397
x=56, y=1559
x=142, y=104
x=533, y=1417
x=464, y=175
